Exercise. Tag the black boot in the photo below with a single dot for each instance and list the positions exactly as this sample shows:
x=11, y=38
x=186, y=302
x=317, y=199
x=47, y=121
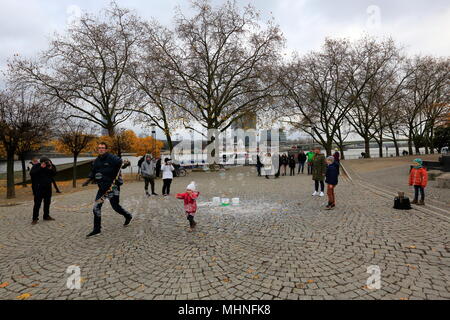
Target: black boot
x=97, y=227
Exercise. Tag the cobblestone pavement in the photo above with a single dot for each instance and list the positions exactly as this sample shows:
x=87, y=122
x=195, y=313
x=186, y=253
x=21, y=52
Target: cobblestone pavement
x=278, y=244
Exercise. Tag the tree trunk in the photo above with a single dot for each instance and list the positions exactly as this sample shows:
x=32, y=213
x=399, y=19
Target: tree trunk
x=367, y=147
x=10, y=189
x=427, y=151
x=24, y=170
x=410, y=145
x=169, y=142
x=111, y=131
x=397, y=149
x=380, y=148
x=74, y=177
x=432, y=141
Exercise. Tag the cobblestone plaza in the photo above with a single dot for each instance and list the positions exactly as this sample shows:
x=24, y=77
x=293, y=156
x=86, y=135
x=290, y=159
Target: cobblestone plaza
x=278, y=243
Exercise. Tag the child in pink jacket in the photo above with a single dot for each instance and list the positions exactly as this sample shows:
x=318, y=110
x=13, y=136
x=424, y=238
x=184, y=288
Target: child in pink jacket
x=190, y=203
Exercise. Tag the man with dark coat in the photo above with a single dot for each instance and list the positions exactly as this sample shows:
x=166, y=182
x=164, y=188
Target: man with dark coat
x=106, y=174
x=42, y=175
x=319, y=168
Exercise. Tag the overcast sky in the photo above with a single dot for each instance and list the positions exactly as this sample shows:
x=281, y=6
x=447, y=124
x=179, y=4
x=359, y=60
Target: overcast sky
x=422, y=26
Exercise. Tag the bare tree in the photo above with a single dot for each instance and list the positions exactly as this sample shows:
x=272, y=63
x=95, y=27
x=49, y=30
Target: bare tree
x=221, y=60
x=74, y=137
x=429, y=77
x=321, y=88
x=86, y=68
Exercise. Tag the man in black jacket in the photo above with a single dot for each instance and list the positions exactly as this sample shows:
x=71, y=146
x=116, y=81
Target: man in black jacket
x=106, y=173
x=42, y=175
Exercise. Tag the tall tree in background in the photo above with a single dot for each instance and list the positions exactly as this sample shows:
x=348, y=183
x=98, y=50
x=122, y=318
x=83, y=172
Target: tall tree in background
x=23, y=117
x=86, y=68
x=74, y=137
x=122, y=141
x=429, y=76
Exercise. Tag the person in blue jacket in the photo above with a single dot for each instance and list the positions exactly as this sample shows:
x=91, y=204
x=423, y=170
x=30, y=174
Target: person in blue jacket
x=331, y=178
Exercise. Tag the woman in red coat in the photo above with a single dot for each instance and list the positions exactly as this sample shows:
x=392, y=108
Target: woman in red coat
x=418, y=177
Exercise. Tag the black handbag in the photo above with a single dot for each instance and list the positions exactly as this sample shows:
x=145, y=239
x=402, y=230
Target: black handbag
x=402, y=203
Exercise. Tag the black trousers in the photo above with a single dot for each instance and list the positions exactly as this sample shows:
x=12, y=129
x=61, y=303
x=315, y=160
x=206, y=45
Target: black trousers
x=114, y=199
x=42, y=194
x=292, y=172
x=322, y=185
x=166, y=186
x=191, y=220
x=309, y=168
x=152, y=184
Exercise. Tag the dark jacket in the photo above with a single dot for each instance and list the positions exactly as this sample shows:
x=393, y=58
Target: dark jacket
x=319, y=167
x=332, y=174
x=284, y=160
x=42, y=178
x=301, y=157
x=105, y=169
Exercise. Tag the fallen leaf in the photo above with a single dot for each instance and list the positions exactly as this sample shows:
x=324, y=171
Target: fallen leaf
x=299, y=285
x=23, y=296
x=412, y=247
x=4, y=284
x=213, y=258
x=34, y=285
x=226, y=280
x=310, y=281
x=82, y=280
x=403, y=298
x=255, y=277
x=250, y=271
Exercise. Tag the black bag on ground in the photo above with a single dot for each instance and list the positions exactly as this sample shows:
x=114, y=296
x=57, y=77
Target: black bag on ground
x=402, y=203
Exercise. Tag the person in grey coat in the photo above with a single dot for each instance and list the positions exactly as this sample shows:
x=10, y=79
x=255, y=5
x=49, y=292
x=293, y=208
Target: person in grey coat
x=148, y=172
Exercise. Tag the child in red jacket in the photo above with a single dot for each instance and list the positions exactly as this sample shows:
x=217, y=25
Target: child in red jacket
x=418, y=177
x=190, y=203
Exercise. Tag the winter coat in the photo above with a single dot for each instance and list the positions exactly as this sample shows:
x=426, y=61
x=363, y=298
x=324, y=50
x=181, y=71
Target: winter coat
x=418, y=177
x=310, y=156
x=148, y=169
x=319, y=167
x=302, y=157
x=190, y=202
x=105, y=169
x=42, y=178
x=284, y=160
x=332, y=174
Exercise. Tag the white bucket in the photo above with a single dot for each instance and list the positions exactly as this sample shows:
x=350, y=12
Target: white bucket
x=216, y=201
x=225, y=201
x=235, y=201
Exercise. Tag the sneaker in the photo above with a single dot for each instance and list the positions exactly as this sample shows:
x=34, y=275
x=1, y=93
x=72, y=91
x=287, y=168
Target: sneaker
x=154, y=194
x=315, y=193
x=328, y=207
x=93, y=233
x=128, y=220
x=414, y=201
x=34, y=222
x=147, y=194
x=49, y=218
x=321, y=194
x=421, y=203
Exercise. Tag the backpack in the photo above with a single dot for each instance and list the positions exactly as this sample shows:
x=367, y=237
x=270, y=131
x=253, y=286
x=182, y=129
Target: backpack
x=401, y=202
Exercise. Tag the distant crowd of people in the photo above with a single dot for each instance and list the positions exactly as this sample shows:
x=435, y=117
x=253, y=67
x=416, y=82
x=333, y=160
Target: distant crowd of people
x=323, y=170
